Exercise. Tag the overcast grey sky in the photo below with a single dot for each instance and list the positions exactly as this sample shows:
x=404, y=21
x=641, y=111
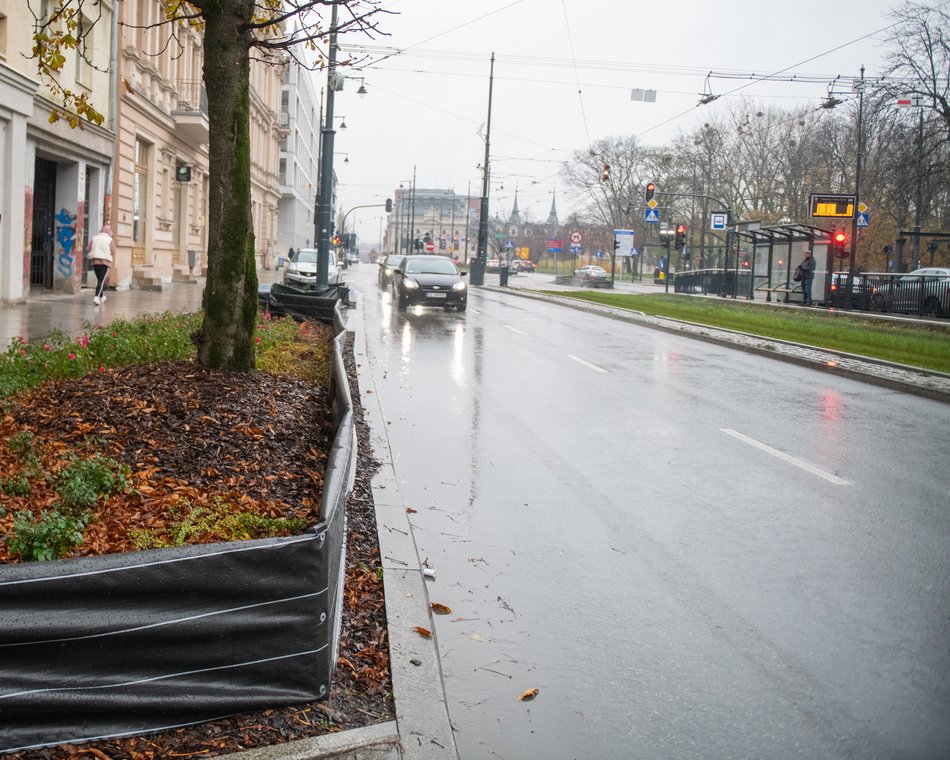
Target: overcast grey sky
x=564, y=71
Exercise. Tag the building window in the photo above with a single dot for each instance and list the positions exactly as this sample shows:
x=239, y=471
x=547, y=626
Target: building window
x=3, y=37
x=140, y=192
x=84, y=50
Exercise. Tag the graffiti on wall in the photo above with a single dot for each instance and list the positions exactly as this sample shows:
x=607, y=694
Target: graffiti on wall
x=66, y=237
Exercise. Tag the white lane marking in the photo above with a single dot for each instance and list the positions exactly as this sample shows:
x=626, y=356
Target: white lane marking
x=585, y=363
x=514, y=329
x=807, y=466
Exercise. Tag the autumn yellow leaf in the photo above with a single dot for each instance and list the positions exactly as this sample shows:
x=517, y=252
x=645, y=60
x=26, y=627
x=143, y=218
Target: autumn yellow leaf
x=528, y=695
x=424, y=632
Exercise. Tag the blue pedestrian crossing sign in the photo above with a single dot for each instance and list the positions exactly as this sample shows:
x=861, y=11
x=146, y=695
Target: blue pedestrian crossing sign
x=651, y=215
x=863, y=219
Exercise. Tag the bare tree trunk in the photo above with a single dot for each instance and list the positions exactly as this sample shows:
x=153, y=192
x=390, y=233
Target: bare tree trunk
x=225, y=339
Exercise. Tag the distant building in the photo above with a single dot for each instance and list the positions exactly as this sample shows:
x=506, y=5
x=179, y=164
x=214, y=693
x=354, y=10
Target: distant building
x=300, y=116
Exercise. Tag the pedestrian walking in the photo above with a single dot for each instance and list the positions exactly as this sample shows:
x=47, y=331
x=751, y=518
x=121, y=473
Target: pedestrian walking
x=808, y=274
x=101, y=252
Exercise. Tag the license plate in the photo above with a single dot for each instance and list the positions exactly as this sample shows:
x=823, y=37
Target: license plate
x=436, y=295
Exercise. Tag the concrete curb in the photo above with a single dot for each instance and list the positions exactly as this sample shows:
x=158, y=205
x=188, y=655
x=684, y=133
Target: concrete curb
x=378, y=742
x=900, y=377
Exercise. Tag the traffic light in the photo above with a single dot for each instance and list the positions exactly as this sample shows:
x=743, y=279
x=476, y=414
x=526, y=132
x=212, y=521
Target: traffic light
x=649, y=192
x=336, y=240
x=605, y=173
x=839, y=245
x=389, y=205
x=680, y=236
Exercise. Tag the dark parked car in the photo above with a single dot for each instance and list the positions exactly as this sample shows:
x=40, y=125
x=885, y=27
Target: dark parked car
x=924, y=291
x=387, y=268
x=429, y=281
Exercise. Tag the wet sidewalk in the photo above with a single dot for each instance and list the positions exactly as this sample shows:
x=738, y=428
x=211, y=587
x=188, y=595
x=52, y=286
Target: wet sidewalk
x=74, y=313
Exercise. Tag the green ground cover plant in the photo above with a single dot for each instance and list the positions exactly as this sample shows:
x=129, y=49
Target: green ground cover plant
x=902, y=341
x=80, y=476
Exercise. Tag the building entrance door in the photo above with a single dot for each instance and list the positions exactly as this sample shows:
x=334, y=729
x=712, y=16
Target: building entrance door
x=44, y=212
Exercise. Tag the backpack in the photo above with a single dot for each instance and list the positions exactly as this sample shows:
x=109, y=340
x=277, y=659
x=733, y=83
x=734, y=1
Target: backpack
x=798, y=274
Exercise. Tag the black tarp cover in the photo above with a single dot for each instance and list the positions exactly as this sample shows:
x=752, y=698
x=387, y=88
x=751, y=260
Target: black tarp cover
x=129, y=643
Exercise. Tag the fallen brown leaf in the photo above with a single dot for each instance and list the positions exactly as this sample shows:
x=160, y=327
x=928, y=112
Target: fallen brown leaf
x=441, y=609
x=528, y=695
x=424, y=632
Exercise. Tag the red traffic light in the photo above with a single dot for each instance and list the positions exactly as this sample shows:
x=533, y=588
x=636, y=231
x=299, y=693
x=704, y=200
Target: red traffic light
x=650, y=191
x=839, y=244
x=680, y=235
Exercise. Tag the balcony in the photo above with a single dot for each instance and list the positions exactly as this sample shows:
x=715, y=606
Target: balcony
x=191, y=113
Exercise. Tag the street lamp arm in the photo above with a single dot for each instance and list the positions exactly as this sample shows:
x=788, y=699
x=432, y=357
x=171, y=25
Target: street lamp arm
x=724, y=206
x=367, y=205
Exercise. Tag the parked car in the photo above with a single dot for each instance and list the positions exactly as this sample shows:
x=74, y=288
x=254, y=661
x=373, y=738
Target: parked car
x=527, y=265
x=301, y=271
x=492, y=265
x=387, y=267
x=924, y=291
x=429, y=281
x=591, y=272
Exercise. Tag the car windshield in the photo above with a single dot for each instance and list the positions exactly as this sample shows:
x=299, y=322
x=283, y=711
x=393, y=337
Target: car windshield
x=430, y=266
x=305, y=257
x=392, y=261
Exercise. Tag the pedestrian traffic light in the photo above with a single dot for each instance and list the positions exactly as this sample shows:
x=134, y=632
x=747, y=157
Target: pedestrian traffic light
x=650, y=192
x=839, y=244
x=680, y=236
x=605, y=173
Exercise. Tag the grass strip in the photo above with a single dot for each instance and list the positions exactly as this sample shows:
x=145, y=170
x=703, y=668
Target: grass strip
x=902, y=341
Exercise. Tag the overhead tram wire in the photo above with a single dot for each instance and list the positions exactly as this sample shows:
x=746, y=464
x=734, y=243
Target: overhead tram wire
x=401, y=51
x=580, y=94
x=772, y=75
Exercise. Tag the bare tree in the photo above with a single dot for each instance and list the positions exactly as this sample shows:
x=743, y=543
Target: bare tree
x=919, y=56
x=233, y=30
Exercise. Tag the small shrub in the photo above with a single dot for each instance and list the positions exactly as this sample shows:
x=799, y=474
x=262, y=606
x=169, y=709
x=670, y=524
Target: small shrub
x=15, y=485
x=220, y=522
x=80, y=484
x=50, y=537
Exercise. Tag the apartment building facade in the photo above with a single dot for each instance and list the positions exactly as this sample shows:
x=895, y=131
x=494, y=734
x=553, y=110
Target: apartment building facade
x=53, y=179
x=145, y=169
x=300, y=113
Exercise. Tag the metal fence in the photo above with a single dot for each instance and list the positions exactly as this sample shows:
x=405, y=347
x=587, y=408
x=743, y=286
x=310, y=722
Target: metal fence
x=926, y=295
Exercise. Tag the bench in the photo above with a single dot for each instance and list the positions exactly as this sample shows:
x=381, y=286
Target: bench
x=789, y=290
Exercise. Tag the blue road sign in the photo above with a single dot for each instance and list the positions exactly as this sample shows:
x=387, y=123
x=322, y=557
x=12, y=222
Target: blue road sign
x=509, y=245
x=575, y=249
x=651, y=215
x=863, y=219
x=598, y=253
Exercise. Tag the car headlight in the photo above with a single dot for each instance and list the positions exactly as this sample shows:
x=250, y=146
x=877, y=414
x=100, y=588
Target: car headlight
x=389, y=272
x=410, y=284
x=458, y=286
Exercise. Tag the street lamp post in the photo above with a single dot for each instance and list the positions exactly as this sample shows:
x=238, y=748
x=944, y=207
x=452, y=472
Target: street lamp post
x=478, y=266
x=324, y=212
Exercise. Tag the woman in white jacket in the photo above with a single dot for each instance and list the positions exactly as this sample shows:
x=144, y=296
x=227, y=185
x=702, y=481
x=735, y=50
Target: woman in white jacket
x=101, y=250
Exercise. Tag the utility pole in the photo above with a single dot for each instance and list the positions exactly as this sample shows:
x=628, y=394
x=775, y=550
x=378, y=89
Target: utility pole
x=478, y=266
x=323, y=217
x=857, y=191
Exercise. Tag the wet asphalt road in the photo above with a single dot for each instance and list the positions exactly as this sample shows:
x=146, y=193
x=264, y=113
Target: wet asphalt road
x=692, y=552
